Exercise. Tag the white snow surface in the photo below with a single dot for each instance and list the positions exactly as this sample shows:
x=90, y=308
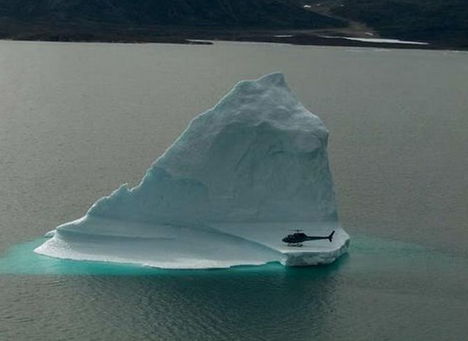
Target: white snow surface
x=237, y=180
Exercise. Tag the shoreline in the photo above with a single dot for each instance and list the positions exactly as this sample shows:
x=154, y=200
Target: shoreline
x=210, y=42
x=301, y=38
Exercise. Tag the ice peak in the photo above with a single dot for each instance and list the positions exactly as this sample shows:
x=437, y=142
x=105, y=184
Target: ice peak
x=259, y=90
x=275, y=79
x=265, y=100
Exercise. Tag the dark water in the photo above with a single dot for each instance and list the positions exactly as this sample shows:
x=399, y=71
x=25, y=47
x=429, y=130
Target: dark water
x=77, y=120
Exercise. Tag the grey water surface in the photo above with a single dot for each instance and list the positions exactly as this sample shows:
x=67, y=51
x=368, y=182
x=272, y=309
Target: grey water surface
x=77, y=120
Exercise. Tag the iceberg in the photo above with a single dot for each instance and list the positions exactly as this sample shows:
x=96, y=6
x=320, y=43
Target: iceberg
x=232, y=185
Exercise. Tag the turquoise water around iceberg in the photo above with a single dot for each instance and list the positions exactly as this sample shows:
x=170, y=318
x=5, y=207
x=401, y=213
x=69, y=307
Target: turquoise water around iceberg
x=366, y=254
x=21, y=259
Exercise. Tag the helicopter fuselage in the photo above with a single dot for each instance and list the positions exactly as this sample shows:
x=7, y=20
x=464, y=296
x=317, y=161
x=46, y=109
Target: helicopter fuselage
x=299, y=237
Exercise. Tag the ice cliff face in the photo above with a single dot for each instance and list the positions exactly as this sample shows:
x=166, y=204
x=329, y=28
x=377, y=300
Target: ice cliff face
x=258, y=156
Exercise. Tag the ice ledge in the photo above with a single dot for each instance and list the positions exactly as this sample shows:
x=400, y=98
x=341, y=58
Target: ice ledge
x=201, y=247
x=309, y=258
x=311, y=253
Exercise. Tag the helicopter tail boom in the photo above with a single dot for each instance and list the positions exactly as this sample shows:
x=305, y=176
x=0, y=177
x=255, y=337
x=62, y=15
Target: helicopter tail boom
x=330, y=237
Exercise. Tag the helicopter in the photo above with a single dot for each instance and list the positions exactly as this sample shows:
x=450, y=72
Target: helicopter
x=297, y=238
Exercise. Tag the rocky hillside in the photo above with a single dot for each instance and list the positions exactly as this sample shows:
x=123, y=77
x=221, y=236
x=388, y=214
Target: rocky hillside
x=200, y=13
x=440, y=21
x=443, y=23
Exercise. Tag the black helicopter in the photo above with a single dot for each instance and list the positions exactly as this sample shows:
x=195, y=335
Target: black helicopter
x=296, y=239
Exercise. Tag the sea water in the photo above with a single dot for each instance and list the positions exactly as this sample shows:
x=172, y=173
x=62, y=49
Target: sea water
x=77, y=120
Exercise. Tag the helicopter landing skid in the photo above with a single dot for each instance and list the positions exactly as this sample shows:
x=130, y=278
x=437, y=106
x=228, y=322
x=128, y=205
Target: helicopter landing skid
x=295, y=244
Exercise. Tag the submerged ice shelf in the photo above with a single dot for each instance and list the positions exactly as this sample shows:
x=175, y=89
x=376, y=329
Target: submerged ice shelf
x=238, y=179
